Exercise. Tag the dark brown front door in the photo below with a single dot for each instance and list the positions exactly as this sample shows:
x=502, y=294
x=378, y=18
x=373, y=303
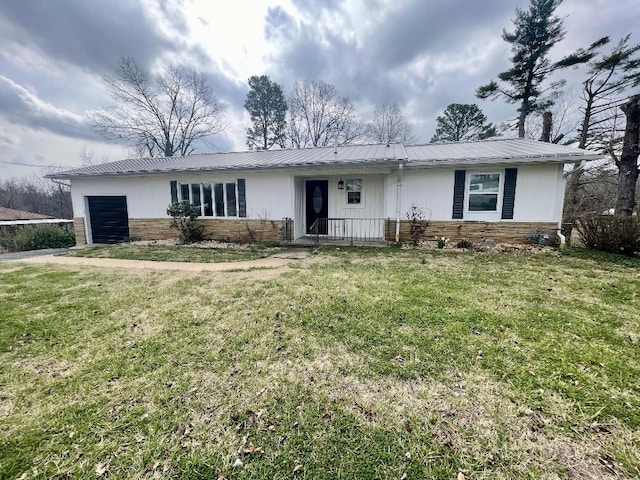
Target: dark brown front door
x=317, y=192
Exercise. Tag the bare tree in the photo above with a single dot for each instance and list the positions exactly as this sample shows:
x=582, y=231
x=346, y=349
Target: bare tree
x=166, y=114
x=37, y=195
x=627, y=162
x=564, y=115
x=88, y=158
x=389, y=125
x=602, y=123
x=319, y=117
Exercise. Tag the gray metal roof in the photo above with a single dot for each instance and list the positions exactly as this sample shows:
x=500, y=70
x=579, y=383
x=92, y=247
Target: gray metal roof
x=300, y=157
x=492, y=151
x=487, y=151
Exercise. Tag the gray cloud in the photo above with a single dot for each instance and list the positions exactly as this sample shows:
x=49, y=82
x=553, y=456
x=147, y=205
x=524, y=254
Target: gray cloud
x=436, y=26
x=22, y=106
x=278, y=24
x=91, y=35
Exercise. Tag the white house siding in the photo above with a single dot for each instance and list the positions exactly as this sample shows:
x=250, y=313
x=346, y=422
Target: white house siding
x=268, y=194
x=539, y=191
x=429, y=189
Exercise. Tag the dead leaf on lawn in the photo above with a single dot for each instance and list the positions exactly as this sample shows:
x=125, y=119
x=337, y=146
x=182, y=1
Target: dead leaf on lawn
x=185, y=429
x=297, y=468
x=461, y=476
x=238, y=463
x=101, y=469
x=251, y=448
x=326, y=415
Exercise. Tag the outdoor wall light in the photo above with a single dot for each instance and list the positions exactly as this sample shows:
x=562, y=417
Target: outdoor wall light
x=341, y=185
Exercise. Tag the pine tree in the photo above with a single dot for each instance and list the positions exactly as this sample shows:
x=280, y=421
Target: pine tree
x=268, y=108
x=462, y=121
x=536, y=31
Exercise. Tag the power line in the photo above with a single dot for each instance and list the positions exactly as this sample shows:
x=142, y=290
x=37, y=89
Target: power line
x=25, y=164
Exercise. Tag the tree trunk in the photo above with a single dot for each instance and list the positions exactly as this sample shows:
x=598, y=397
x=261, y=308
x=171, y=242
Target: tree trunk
x=521, y=120
x=547, y=124
x=628, y=161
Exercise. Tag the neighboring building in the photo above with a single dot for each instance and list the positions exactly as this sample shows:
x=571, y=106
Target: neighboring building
x=13, y=216
x=502, y=189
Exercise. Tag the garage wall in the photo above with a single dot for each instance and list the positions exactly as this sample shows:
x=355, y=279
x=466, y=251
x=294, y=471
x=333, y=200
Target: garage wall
x=268, y=193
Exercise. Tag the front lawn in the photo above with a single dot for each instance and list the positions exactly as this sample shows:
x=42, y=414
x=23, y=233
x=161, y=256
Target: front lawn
x=366, y=364
x=202, y=253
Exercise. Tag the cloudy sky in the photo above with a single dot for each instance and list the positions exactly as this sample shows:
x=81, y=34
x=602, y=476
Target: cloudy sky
x=424, y=54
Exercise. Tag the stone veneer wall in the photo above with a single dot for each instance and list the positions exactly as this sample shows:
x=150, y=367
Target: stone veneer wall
x=78, y=229
x=214, y=228
x=500, y=232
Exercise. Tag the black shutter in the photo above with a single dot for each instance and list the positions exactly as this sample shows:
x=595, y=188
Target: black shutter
x=458, y=194
x=508, y=199
x=242, y=198
x=174, y=191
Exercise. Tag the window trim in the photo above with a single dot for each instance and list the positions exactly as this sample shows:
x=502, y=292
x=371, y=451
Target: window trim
x=361, y=204
x=468, y=193
x=189, y=187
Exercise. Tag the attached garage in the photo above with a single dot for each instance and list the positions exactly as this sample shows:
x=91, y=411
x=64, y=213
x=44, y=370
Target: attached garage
x=108, y=219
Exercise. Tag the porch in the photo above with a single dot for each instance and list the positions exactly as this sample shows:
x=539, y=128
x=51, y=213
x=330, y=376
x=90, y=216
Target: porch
x=346, y=209
x=341, y=231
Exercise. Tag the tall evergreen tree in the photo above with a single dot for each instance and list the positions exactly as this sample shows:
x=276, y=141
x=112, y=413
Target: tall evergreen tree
x=462, y=121
x=536, y=31
x=268, y=108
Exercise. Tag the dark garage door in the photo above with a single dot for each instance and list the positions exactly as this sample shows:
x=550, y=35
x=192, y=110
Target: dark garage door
x=109, y=219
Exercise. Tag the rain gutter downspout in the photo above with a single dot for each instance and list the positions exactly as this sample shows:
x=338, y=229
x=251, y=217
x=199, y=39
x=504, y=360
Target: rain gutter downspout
x=398, y=199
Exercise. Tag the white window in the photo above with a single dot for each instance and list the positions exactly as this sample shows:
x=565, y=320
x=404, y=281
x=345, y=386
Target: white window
x=483, y=192
x=217, y=199
x=354, y=191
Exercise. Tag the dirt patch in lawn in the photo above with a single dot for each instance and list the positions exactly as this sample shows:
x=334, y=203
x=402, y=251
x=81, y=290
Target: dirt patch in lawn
x=263, y=263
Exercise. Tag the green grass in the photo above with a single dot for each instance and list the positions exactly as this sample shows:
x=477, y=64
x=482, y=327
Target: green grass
x=357, y=364
x=178, y=253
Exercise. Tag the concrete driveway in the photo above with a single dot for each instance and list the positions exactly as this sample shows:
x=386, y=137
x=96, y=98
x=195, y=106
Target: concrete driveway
x=7, y=257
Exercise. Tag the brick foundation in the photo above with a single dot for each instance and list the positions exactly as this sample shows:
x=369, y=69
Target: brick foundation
x=500, y=232
x=78, y=229
x=214, y=228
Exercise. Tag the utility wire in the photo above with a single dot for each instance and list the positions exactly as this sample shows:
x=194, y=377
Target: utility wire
x=26, y=164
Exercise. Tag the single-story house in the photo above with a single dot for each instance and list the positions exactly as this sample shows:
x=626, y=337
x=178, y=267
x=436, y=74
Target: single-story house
x=13, y=215
x=501, y=189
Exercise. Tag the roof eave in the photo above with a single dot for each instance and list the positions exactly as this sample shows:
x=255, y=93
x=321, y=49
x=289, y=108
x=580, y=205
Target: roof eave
x=506, y=160
x=374, y=163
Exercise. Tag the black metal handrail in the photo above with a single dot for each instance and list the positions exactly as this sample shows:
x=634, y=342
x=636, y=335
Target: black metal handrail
x=359, y=230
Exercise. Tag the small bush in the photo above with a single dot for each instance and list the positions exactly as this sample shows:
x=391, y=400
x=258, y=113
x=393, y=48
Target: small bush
x=465, y=243
x=418, y=225
x=40, y=237
x=611, y=234
x=442, y=242
x=183, y=218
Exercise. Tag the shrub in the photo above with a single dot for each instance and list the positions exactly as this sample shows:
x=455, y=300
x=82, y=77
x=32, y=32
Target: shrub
x=417, y=225
x=442, y=242
x=184, y=219
x=465, y=243
x=611, y=234
x=40, y=237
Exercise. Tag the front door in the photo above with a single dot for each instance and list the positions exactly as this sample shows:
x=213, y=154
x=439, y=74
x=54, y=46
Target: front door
x=317, y=204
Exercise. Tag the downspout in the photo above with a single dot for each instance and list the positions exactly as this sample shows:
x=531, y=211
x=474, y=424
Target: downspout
x=398, y=199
